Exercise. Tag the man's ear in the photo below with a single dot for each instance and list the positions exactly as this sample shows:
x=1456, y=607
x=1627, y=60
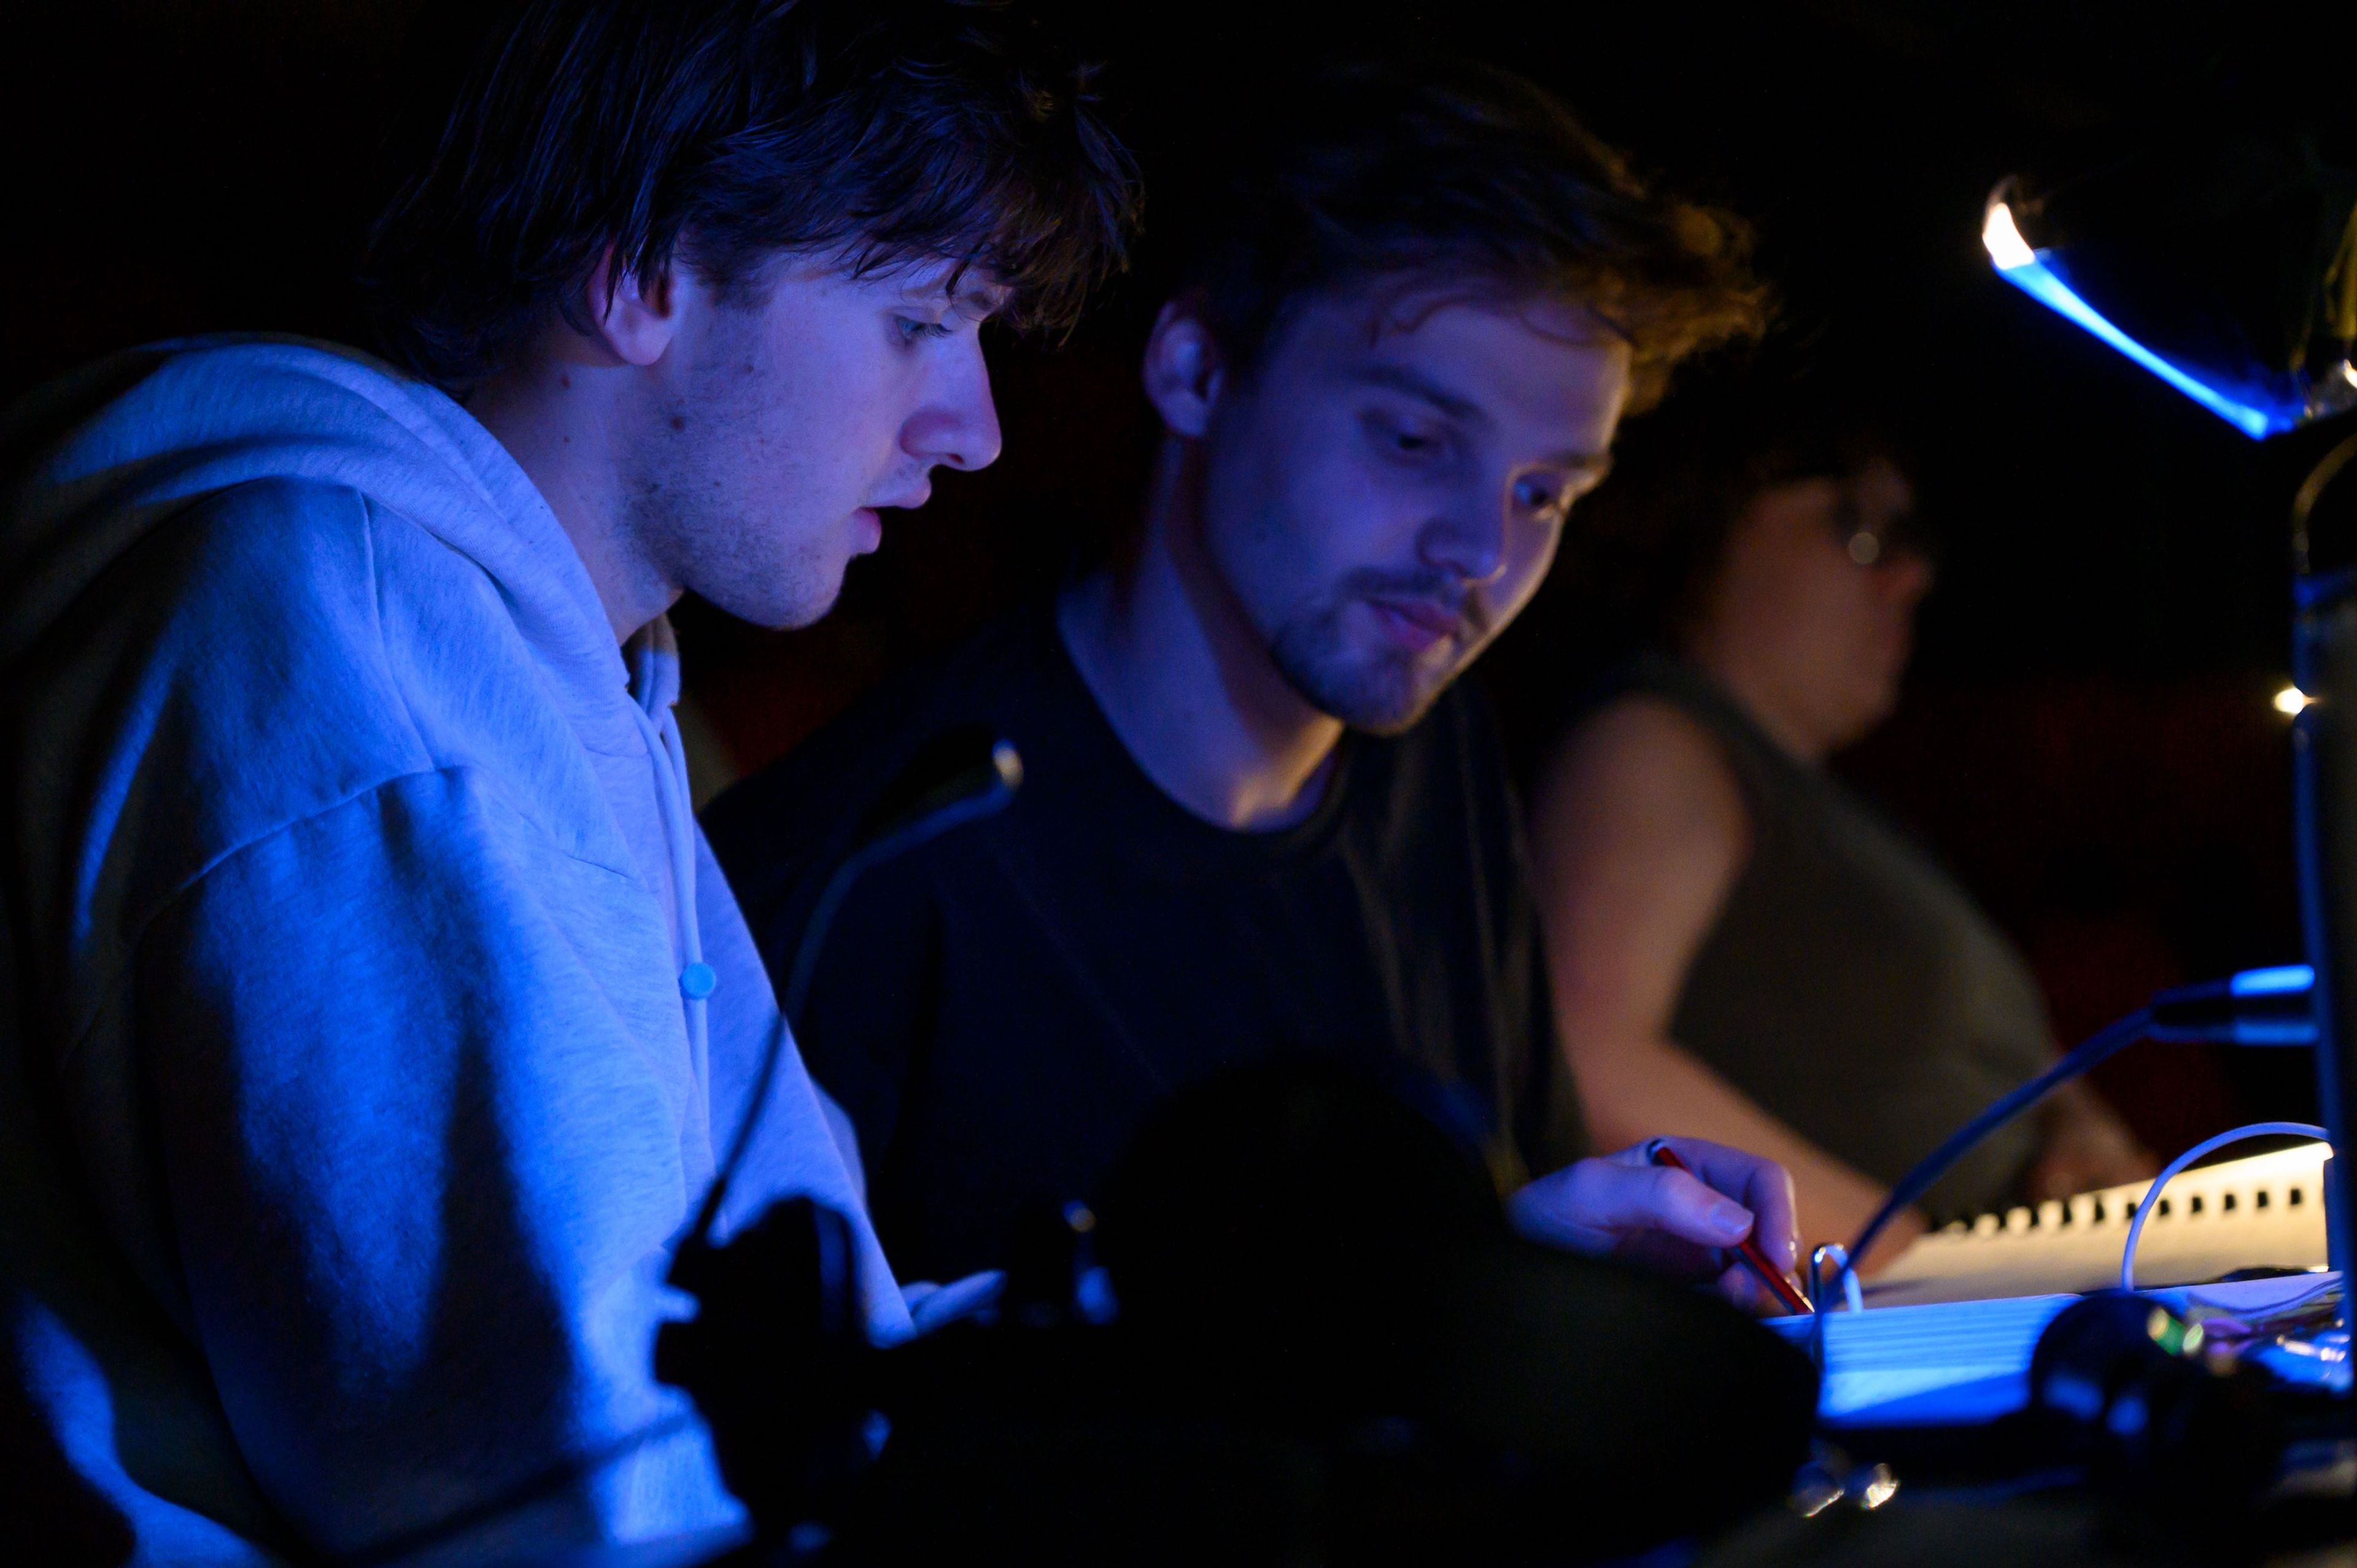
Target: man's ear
x=632, y=317
x=1185, y=371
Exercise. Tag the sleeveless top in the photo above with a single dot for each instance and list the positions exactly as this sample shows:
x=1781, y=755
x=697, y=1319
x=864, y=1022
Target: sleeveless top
x=1849, y=985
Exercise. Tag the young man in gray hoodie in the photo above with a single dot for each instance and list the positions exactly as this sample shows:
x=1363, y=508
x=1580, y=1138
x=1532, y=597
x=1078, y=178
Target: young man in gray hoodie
x=371, y=1006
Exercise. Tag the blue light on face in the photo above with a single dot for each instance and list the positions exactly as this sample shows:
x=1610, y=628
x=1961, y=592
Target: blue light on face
x=2276, y=981
x=2026, y=270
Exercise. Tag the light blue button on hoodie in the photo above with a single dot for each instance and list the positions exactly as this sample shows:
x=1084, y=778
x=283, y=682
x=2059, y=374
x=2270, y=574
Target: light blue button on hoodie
x=350, y=1102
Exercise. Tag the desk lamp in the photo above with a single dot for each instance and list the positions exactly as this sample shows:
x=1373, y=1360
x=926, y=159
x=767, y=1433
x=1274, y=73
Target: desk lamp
x=2231, y=274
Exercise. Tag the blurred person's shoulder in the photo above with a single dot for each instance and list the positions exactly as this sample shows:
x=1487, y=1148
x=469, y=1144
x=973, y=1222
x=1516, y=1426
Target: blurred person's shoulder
x=1648, y=707
x=1650, y=746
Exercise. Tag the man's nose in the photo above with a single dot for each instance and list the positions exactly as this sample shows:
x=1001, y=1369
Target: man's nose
x=957, y=424
x=1468, y=541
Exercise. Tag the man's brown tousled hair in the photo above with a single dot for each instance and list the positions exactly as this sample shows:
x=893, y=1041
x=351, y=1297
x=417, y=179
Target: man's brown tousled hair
x=1453, y=169
x=724, y=133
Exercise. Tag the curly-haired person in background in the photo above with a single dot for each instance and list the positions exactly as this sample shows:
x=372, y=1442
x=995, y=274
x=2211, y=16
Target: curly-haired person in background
x=1741, y=947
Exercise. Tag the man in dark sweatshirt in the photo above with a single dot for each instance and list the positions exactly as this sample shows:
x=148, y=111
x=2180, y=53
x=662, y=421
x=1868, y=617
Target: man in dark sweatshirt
x=1258, y=818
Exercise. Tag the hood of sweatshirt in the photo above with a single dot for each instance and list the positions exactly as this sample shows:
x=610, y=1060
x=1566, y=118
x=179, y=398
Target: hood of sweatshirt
x=90, y=464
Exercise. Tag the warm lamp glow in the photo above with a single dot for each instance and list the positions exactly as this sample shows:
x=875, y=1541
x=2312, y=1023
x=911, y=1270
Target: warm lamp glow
x=2006, y=247
x=2291, y=700
x=2033, y=272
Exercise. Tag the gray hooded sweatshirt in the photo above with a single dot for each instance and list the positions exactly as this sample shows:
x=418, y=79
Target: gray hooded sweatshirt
x=369, y=1003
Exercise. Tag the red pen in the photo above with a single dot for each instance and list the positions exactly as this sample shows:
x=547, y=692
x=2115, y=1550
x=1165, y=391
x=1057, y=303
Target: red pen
x=1784, y=1290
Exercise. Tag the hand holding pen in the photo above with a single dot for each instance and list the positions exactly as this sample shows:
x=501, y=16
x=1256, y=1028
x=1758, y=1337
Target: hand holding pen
x=1680, y=1205
x=1772, y=1274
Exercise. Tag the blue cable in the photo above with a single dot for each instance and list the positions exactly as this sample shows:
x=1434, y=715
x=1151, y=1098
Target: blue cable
x=2176, y=1168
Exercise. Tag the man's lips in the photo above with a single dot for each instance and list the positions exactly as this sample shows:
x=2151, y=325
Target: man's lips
x=1416, y=624
x=869, y=525
x=906, y=501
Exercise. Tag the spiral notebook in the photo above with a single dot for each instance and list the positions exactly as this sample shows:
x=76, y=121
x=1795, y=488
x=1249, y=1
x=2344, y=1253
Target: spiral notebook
x=2264, y=1211
x=1950, y=1327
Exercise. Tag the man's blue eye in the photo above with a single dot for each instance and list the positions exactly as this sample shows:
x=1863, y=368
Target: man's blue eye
x=1400, y=439
x=912, y=330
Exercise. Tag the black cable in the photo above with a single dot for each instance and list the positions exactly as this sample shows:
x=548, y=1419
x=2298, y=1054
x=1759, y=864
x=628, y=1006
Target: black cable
x=1006, y=776
x=2104, y=1042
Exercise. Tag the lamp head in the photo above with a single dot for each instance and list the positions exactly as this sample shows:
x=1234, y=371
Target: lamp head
x=2228, y=272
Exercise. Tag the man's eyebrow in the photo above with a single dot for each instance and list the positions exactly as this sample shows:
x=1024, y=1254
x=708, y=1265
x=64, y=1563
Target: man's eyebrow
x=1597, y=463
x=964, y=292
x=1417, y=385
x=980, y=299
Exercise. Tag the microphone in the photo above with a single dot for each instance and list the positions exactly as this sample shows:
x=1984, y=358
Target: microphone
x=776, y=1356
x=962, y=776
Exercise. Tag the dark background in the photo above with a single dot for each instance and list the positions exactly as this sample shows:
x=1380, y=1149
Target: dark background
x=2086, y=737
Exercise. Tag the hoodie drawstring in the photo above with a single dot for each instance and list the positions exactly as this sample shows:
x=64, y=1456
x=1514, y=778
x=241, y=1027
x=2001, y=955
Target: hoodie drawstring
x=656, y=688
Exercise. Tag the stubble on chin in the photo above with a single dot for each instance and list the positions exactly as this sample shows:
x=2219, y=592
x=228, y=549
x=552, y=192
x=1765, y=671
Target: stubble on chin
x=725, y=506
x=1382, y=693
x=768, y=567
x=761, y=569
x=794, y=587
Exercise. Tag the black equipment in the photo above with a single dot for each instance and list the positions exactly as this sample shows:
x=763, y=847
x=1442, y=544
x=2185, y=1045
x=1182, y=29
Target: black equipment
x=1328, y=1347
x=2122, y=1386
